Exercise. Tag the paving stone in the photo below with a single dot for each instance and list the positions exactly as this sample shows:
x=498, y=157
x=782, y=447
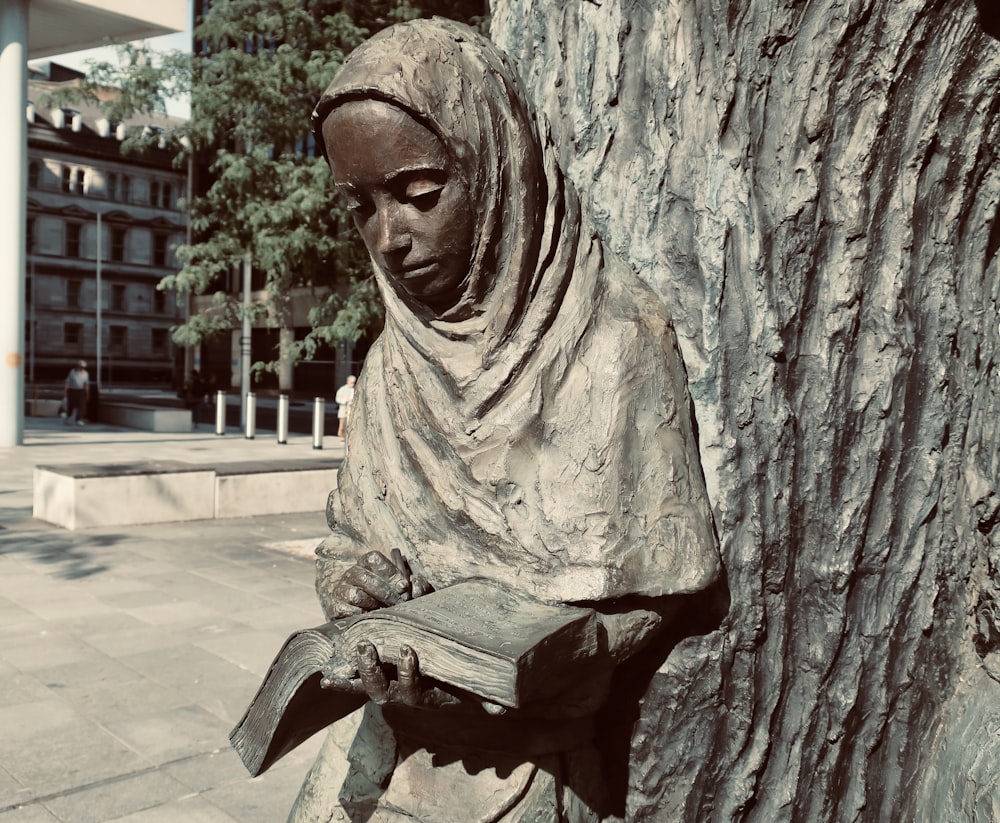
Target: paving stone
x=281, y=619
x=27, y=721
x=169, y=734
x=128, y=653
x=80, y=755
x=250, y=580
x=138, y=598
x=265, y=798
x=188, y=810
x=69, y=606
x=228, y=703
x=250, y=650
x=13, y=792
x=117, y=798
x=32, y=813
x=13, y=615
x=205, y=771
x=186, y=667
x=127, y=641
x=43, y=649
x=303, y=595
x=107, y=702
x=19, y=687
x=113, y=620
x=98, y=671
x=178, y=614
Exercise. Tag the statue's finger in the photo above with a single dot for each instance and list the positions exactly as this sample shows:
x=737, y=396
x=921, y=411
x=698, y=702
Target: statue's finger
x=420, y=586
x=337, y=607
x=408, y=677
x=380, y=565
x=400, y=563
x=341, y=684
x=356, y=596
x=378, y=586
x=370, y=671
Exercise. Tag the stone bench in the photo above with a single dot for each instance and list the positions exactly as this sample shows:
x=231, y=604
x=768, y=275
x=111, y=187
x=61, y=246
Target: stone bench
x=80, y=496
x=266, y=487
x=42, y=407
x=149, y=418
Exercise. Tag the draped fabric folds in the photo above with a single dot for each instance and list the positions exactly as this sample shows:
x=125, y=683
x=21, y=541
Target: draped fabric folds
x=537, y=431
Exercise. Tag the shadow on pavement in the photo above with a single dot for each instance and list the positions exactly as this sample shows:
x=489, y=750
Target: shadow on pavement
x=72, y=554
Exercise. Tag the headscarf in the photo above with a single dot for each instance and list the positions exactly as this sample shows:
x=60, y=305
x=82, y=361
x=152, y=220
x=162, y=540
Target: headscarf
x=537, y=431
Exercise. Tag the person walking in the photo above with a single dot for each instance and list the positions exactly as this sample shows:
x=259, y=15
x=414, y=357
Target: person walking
x=76, y=392
x=344, y=398
x=194, y=396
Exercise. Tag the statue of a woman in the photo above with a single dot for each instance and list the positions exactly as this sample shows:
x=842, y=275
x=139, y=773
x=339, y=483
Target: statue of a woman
x=523, y=418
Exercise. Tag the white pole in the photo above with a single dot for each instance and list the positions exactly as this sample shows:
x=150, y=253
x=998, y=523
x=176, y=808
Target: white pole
x=13, y=207
x=251, y=425
x=319, y=414
x=245, y=339
x=100, y=303
x=220, y=412
x=31, y=320
x=282, y=419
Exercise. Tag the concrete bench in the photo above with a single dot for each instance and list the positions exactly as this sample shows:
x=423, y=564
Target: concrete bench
x=42, y=407
x=149, y=418
x=80, y=496
x=266, y=487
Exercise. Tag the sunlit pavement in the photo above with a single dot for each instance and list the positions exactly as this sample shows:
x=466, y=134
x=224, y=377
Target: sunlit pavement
x=128, y=653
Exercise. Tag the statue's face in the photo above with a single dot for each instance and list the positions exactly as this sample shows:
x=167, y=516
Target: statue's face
x=408, y=198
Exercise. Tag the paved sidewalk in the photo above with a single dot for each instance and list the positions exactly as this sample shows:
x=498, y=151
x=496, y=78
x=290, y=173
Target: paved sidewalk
x=128, y=653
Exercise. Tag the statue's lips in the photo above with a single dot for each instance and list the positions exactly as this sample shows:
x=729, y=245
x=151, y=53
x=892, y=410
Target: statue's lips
x=417, y=273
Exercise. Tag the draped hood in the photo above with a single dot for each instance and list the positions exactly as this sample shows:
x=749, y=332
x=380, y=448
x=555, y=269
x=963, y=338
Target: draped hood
x=537, y=430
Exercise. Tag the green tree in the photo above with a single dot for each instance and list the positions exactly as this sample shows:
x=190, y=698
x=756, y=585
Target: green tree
x=252, y=85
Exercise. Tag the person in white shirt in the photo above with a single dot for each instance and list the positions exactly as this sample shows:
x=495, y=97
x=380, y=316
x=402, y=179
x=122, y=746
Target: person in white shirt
x=344, y=398
x=76, y=392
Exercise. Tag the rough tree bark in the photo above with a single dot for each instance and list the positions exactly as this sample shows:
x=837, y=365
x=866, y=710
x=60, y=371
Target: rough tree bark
x=811, y=186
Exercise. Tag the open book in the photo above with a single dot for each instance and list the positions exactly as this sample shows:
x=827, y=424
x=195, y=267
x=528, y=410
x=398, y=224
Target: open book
x=491, y=641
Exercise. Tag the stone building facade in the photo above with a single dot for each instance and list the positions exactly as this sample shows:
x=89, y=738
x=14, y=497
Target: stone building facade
x=80, y=183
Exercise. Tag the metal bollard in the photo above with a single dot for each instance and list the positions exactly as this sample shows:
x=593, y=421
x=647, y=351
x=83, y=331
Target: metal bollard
x=251, y=429
x=282, y=419
x=220, y=412
x=319, y=413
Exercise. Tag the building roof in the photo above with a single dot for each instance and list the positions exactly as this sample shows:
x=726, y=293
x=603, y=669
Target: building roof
x=83, y=128
x=60, y=26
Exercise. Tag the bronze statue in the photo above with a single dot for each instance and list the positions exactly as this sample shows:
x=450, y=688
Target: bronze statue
x=524, y=420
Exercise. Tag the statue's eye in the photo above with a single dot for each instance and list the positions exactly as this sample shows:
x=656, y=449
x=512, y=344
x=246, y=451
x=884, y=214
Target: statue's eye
x=422, y=188
x=358, y=206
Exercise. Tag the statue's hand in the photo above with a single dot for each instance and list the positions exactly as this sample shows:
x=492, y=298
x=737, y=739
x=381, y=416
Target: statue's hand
x=407, y=687
x=374, y=582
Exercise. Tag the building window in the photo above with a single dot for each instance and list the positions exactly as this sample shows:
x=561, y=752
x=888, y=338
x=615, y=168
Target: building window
x=154, y=193
x=72, y=294
x=112, y=186
x=159, y=249
x=34, y=172
x=72, y=180
x=159, y=341
x=119, y=340
x=118, y=245
x=166, y=196
x=72, y=334
x=117, y=298
x=72, y=240
x=126, y=189
x=29, y=235
x=159, y=301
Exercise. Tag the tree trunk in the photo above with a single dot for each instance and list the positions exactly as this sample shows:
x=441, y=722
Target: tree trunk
x=811, y=187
